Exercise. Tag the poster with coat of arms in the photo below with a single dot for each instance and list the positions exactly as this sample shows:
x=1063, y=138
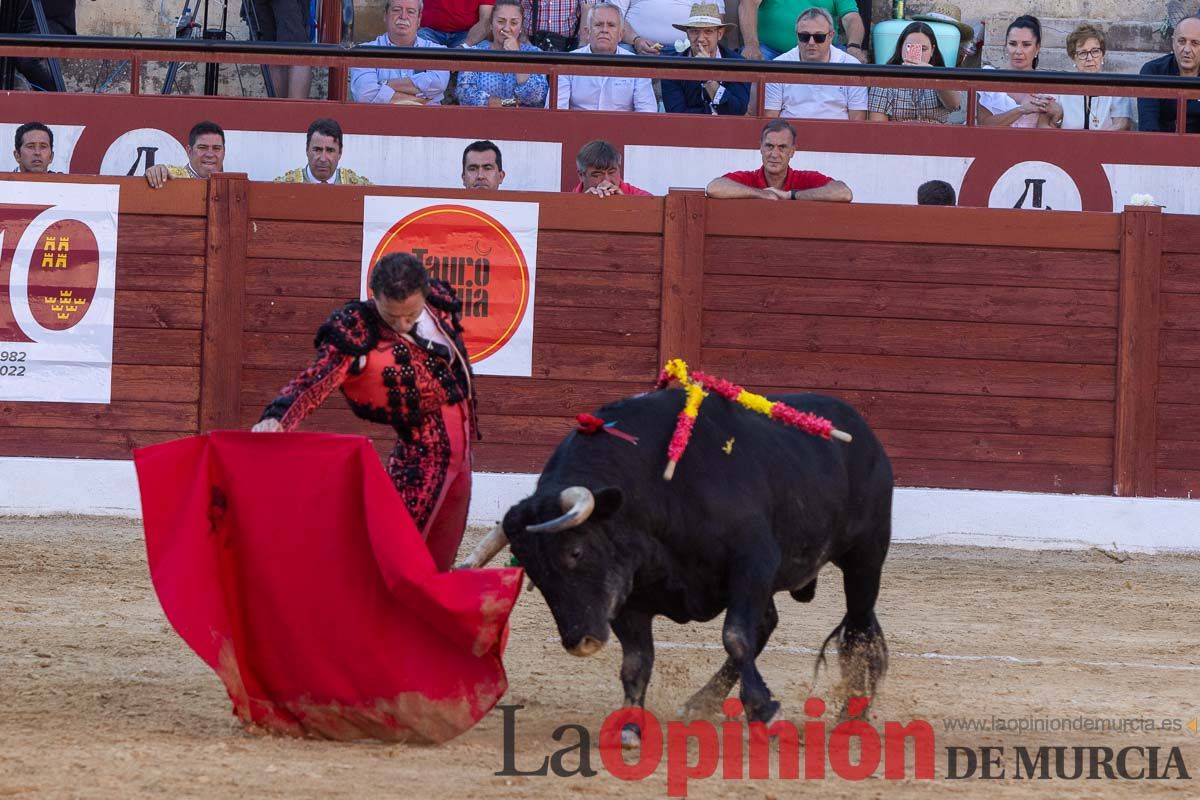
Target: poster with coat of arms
x=58, y=266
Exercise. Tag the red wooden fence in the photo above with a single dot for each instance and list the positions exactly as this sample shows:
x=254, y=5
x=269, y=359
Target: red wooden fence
x=992, y=349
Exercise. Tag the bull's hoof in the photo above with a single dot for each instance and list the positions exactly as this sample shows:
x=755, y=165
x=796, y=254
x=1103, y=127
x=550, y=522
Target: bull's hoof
x=588, y=646
x=630, y=738
x=701, y=705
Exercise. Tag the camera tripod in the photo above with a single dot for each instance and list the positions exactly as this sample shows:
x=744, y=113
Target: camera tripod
x=186, y=27
x=10, y=14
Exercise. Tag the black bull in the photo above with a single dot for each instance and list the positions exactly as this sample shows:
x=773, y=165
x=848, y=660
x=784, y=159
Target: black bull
x=755, y=508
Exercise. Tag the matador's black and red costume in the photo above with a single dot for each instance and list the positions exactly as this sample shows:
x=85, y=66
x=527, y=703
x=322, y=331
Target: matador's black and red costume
x=423, y=389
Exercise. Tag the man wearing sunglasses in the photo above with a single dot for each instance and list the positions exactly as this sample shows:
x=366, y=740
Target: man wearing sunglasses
x=814, y=44
x=768, y=25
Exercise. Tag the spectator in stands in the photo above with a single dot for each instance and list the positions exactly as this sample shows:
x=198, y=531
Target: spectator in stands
x=704, y=29
x=775, y=179
x=399, y=86
x=324, y=150
x=456, y=23
x=33, y=148
x=286, y=21
x=60, y=21
x=650, y=25
x=553, y=25
x=206, y=156
x=599, y=93
x=1023, y=42
x=1158, y=114
x=768, y=25
x=1085, y=46
x=916, y=47
x=482, y=164
x=503, y=88
x=599, y=167
x=936, y=193
x=814, y=38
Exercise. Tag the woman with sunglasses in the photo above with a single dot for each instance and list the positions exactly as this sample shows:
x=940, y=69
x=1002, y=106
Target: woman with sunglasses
x=1022, y=43
x=916, y=47
x=1085, y=46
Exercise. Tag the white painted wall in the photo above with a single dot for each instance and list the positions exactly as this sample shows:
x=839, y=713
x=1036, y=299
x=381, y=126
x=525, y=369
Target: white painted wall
x=42, y=486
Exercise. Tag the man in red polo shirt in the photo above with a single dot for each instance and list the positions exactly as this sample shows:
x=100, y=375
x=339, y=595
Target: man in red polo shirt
x=599, y=167
x=775, y=180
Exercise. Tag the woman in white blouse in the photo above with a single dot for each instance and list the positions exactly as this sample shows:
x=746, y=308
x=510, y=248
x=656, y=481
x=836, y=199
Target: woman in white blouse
x=1086, y=48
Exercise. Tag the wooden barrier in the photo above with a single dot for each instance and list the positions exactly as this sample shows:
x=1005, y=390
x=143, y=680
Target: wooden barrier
x=993, y=349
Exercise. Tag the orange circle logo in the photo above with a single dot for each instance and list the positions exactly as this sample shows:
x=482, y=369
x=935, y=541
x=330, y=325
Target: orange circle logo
x=475, y=254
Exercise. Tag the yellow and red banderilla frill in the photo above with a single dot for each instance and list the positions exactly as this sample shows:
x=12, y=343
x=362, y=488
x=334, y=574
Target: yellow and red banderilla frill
x=696, y=385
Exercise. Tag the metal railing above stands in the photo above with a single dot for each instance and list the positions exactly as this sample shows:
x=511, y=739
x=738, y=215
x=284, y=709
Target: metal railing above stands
x=341, y=59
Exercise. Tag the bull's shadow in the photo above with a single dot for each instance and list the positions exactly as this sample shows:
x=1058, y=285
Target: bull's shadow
x=755, y=508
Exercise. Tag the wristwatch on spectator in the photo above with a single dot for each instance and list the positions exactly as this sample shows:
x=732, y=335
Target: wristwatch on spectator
x=508, y=102
x=855, y=46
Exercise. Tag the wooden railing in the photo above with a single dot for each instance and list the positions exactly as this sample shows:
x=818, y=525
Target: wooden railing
x=997, y=349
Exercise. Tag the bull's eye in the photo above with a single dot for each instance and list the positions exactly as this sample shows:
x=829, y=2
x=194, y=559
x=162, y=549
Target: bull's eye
x=573, y=555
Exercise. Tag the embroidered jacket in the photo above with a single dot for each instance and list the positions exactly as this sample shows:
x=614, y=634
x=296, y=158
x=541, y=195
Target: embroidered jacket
x=345, y=175
x=393, y=379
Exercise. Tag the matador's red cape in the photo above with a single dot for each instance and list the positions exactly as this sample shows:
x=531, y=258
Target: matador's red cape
x=288, y=562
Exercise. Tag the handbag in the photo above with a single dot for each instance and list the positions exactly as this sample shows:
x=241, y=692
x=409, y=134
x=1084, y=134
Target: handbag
x=548, y=40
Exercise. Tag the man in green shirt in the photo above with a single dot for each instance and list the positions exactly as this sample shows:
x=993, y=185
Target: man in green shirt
x=769, y=26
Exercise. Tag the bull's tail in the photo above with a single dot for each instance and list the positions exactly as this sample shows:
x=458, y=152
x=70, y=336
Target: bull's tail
x=821, y=653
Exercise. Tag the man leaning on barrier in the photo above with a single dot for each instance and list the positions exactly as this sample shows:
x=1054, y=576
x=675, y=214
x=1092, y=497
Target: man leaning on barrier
x=599, y=166
x=206, y=156
x=775, y=179
x=323, y=147
x=399, y=86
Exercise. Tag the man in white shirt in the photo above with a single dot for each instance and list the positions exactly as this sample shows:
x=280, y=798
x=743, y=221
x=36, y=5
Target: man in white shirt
x=814, y=37
x=597, y=93
x=399, y=86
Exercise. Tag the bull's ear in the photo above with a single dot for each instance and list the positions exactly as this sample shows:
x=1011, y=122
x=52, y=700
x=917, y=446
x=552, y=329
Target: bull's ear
x=608, y=502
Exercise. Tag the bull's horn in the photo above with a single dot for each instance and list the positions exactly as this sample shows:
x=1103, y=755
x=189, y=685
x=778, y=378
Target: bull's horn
x=486, y=550
x=577, y=504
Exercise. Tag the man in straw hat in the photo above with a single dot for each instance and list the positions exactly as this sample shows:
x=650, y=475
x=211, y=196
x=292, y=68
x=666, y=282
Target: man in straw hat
x=658, y=20
x=704, y=29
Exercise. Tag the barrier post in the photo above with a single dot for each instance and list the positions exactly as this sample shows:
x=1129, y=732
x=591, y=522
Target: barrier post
x=1135, y=448
x=221, y=341
x=681, y=315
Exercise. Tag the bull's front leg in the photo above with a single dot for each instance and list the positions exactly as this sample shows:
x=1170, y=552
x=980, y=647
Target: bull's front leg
x=750, y=582
x=635, y=632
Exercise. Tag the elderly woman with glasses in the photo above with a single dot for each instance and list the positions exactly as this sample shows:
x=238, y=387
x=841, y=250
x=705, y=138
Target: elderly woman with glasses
x=1085, y=46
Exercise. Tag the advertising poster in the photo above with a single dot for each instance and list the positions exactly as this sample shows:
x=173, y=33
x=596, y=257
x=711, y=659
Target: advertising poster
x=486, y=250
x=58, y=264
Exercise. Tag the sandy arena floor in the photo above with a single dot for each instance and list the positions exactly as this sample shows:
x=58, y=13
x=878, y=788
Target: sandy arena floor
x=102, y=699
